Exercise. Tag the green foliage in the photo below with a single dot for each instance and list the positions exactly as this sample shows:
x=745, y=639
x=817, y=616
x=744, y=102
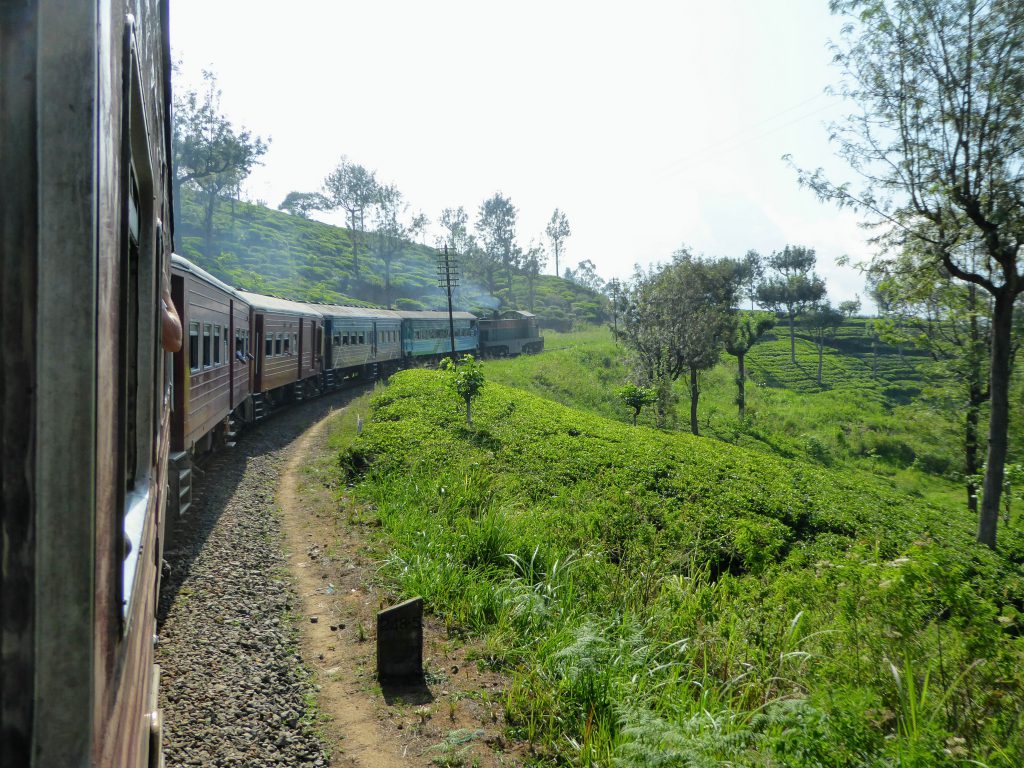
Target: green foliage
x=466, y=378
x=662, y=599
x=637, y=397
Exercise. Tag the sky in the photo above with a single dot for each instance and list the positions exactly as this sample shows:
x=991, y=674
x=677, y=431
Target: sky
x=652, y=125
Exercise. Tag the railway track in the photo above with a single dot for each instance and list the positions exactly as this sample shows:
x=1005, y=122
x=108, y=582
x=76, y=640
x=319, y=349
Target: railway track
x=233, y=687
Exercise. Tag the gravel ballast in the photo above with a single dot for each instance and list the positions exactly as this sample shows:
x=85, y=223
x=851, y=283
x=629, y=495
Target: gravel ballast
x=234, y=690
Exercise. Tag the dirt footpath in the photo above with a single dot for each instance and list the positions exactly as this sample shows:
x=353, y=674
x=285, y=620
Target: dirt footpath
x=453, y=718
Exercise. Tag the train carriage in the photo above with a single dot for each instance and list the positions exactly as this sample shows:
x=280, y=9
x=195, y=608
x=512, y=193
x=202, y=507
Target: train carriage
x=85, y=227
x=287, y=338
x=212, y=369
x=357, y=338
x=428, y=334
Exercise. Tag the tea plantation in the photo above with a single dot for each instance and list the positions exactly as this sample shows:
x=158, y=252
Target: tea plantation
x=664, y=599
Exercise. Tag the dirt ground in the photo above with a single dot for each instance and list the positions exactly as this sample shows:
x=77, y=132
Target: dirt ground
x=452, y=718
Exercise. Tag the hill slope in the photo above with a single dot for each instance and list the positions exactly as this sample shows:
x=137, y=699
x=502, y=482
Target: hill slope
x=259, y=249
x=672, y=600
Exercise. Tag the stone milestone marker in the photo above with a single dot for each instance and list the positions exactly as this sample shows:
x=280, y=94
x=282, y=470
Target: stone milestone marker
x=400, y=641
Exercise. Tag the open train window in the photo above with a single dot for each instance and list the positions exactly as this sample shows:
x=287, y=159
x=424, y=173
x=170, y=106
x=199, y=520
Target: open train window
x=287, y=344
x=139, y=385
x=206, y=345
x=269, y=346
x=277, y=344
x=193, y=347
x=295, y=342
x=216, y=345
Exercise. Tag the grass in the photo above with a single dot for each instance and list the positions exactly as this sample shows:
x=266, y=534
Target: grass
x=662, y=599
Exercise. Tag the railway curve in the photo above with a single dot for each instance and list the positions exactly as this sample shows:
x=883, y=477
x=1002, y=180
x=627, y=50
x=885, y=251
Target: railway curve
x=234, y=690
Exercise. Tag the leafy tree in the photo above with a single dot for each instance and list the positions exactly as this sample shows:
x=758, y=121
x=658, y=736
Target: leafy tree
x=302, y=203
x=418, y=226
x=750, y=327
x=467, y=379
x=353, y=189
x=823, y=320
x=793, y=288
x=677, y=320
x=615, y=291
x=390, y=233
x=850, y=308
x=751, y=273
x=209, y=154
x=533, y=261
x=951, y=322
x=636, y=398
x=558, y=230
x=496, y=224
x=586, y=275
x=938, y=147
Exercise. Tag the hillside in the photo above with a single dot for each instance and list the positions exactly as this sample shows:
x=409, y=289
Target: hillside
x=665, y=599
x=259, y=249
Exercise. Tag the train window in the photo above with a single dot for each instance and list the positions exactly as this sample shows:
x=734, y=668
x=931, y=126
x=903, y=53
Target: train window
x=295, y=342
x=287, y=344
x=345, y=339
x=337, y=340
x=269, y=352
x=193, y=347
x=277, y=343
x=362, y=338
x=207, y=356
x=216, y=345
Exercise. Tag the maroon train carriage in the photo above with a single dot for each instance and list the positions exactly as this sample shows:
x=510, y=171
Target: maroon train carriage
x=287, y=339
x=85, y=239
x=212, y=371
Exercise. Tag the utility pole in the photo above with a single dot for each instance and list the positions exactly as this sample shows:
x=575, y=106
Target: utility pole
x=448, y=278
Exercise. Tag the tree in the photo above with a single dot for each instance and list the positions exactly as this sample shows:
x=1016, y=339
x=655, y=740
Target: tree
x=950, y=321
x=389, y=233
x=496, y=223
x=302, y=203
x=750, y=327
x=586, y=275
x=823, y=320
x=466, y=379
x=677, y=320
x=636, y=398
x=534, y=260
x=793, y=288
x=209, y=154
x=353, y=189
x=418, y=226
x=851, y=307
x=558, y=230
x=938, y=146
x=614, y=290
x=751, y=273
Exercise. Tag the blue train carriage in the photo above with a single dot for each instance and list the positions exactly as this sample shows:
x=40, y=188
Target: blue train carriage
x=359, y=342
x=426, y=333
x=514, y=332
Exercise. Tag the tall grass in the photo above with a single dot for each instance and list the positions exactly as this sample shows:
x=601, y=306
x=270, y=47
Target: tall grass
x=665, y=600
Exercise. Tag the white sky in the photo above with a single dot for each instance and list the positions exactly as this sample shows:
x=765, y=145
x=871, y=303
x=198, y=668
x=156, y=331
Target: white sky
x=651, y=124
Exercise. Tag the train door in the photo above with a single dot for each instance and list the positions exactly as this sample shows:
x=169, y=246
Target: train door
x=181, y=364
x=257, y=383
x=373, y=336
x=302, y=346
x=232, y=361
